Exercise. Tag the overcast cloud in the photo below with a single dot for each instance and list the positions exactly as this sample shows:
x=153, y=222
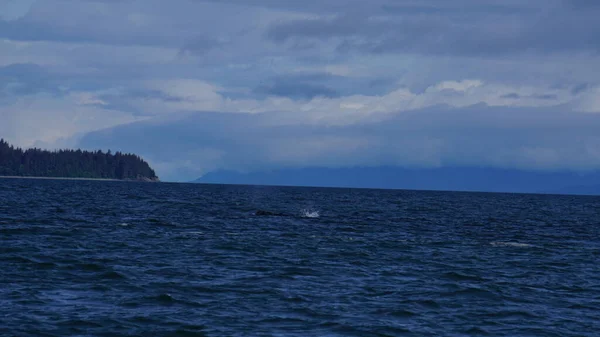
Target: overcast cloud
x=269, y=83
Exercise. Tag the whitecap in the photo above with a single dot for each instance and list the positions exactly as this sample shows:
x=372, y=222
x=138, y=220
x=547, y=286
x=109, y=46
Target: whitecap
x=310, y=214
x=510, y=244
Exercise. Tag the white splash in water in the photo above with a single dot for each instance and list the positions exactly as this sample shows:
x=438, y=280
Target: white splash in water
x=310, y=214
x=510, y=244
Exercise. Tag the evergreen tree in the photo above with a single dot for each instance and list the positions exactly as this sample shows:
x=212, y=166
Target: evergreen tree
x=72, y=164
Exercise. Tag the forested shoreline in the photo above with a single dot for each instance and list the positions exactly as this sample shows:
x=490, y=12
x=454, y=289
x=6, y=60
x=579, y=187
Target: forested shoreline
x=35, y=162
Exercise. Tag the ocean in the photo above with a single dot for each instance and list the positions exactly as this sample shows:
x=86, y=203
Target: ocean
x=104, y=258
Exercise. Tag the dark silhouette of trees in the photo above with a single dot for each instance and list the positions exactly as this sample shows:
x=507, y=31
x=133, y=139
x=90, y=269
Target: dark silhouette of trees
x=72, y=164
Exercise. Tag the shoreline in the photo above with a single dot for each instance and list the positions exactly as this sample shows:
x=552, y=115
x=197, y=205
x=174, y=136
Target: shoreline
x=67, y=178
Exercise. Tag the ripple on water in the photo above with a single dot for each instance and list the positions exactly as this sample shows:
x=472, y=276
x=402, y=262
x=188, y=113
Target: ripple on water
x=91, y=258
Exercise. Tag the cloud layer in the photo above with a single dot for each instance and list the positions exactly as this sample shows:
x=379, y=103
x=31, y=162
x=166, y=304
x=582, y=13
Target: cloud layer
x=330, y=81
x=479, y=135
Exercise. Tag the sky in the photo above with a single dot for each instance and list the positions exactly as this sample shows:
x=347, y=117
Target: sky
x=197, y=86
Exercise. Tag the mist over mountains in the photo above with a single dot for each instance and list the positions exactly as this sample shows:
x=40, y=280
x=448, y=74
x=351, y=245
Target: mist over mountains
x=444, y=179
x=185, y=147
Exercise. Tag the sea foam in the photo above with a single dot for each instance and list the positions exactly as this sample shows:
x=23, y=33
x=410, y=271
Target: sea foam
x=510, y=244
x=310, y=214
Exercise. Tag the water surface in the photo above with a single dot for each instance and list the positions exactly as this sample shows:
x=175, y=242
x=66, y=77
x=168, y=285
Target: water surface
x=96, y=258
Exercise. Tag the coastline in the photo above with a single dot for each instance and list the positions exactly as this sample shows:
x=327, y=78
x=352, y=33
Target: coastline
x=67, y=178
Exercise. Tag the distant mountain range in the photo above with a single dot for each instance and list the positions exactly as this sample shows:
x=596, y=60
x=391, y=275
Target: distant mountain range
x=443, y=179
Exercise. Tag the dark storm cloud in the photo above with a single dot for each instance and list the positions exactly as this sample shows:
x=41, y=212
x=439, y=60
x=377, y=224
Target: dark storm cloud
x=308, y=85
x=154, y=58
x=440, y=30
x=322, y=28
x=511, y=96
x=200, y=45
x=537, y=96
x=545, y=96
x=389, y=6
x=583, y=4
x=461, y=27
x=27, y=79
x=296, y=87
x=580, y=88
x=122, y=101
x=314, y=6
x=25, y=30
x=479, y=8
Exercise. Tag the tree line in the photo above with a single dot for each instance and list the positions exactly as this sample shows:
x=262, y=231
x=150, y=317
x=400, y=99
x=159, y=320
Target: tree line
x=72, y=164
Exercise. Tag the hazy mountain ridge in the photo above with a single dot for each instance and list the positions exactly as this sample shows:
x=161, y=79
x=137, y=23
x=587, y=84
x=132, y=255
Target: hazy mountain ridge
x=454, y=179
x=474, y=136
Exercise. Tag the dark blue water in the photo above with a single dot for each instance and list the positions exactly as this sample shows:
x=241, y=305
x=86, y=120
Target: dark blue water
x=88, y=258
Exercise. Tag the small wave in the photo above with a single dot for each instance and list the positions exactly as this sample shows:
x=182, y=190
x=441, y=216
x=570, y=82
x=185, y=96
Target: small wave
x=190, y=235
x=185, y=333
x=298, y=271
x=520, y=314
x=510, y=244
x=162, y=299
x=476, y=331
x=35, y=262
x=162, y=223
x=310, y=214
x=261, y=212
x=472, y=292
x=456, y=276
x=399, y=313
x=79, y=323
x=428, y=304
x=112, y=275
x=91, y=267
